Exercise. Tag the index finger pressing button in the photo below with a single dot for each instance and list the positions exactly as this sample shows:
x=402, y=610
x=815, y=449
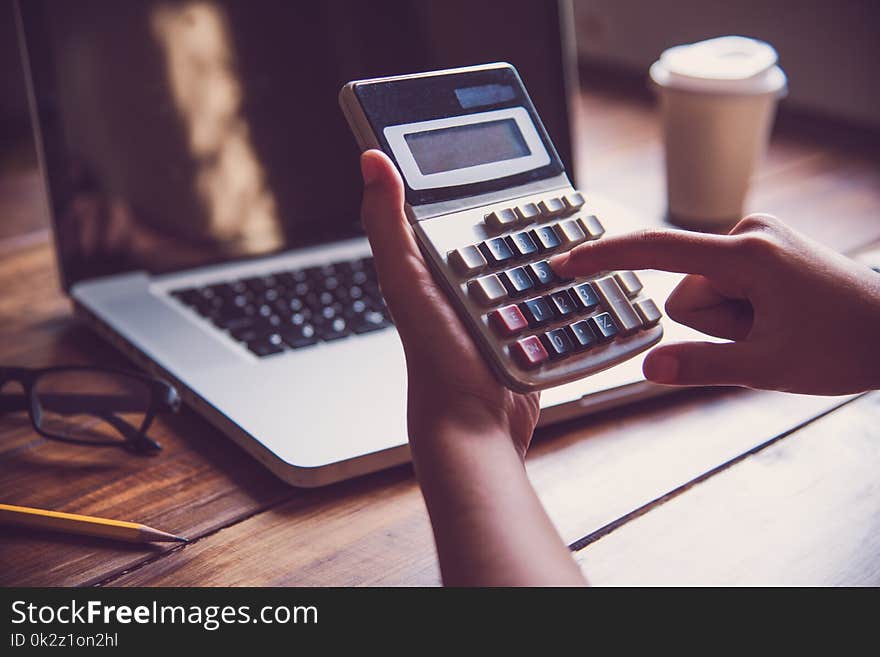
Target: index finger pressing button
x=616, y=302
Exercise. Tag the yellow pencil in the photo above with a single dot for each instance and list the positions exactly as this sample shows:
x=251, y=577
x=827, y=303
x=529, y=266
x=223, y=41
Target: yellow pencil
x=23, y=516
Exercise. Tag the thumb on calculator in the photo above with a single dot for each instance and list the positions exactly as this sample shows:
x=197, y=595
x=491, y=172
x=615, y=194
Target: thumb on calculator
x=399, y=263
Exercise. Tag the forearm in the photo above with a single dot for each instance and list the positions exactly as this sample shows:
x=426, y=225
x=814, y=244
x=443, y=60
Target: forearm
x=489, y=526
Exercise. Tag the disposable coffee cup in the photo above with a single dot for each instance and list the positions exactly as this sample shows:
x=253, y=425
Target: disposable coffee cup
x=717, y=102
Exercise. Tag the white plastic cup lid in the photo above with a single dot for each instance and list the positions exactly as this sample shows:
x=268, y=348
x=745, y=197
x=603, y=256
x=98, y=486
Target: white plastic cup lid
x=729, y=65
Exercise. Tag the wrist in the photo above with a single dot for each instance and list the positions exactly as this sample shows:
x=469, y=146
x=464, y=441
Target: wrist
x=455, y=418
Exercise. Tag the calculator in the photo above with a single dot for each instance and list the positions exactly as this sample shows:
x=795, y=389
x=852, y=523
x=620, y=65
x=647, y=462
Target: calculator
x=489, y=202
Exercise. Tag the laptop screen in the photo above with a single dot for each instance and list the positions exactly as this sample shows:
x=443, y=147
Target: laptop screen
x=176, y=134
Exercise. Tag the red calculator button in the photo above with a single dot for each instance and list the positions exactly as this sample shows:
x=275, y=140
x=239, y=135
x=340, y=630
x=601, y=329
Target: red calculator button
x=508, y=320
x=529, y=351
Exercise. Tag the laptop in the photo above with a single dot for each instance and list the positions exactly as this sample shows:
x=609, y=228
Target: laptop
x=204, y=192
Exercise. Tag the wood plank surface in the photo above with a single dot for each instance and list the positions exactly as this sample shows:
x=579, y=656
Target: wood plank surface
x=252, y=529
x=803, y=512
x=587, y=473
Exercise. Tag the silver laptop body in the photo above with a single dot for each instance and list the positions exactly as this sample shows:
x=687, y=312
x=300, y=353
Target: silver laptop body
x=119, y=90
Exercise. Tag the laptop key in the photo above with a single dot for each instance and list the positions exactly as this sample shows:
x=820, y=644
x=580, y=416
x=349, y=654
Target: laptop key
x=296, y=308
x=369, y=321
x=333, y=330
x=267, y=346
x=234, y=323
x=300, y=336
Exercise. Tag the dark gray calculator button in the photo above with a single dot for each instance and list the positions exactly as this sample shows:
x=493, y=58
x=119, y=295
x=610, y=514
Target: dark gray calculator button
x=522, y=244
x=542, y=273
x=517, y=281
x=586, y=296
x=603, y=326
x=582, y=335
x=537, y=311
x=557, y=343
x=562, y=303
x=546, y=237
x=496, y=250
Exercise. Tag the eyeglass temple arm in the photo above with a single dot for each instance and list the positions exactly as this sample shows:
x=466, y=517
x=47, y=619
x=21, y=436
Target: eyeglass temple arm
x=67, y=403
x=137, y=439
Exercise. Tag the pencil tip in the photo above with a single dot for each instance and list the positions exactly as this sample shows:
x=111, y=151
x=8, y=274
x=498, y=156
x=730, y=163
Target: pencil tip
x=150, y=534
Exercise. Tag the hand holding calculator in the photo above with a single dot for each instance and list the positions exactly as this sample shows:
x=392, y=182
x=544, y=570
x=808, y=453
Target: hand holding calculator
x=489, y=203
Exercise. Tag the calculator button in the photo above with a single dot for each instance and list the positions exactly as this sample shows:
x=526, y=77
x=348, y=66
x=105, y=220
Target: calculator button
x=616, y=302
x=546, y=237
x=542, y=273
x=529, y=351
x=557, y=343
x=496, y=250
x=586, y=296
x=467, y=260
x=537, y=311
x=603, y=326
x=508, y=320
x=522, y=244
x=648, y=311
x=527, y=212
x=629, y=283
x=501, y=219
x=591, y=226
x=571, y=232
x=582, y=335
x=573, y=201
x=488, y=290
x=562, y=303
x=517, y=281
x=551, y=207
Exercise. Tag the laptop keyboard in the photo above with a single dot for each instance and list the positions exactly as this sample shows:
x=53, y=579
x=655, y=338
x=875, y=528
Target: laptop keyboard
x=293, y=309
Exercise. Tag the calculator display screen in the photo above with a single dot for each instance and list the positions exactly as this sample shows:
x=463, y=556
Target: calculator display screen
x=457, y=147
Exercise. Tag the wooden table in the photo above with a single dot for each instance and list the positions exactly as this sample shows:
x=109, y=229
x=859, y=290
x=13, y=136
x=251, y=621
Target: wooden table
x=702, y=487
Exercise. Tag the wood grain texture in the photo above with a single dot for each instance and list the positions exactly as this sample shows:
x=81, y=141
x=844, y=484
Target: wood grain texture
x=252, y=529
x=587, y=475
x=802, y=512
x=22, y=206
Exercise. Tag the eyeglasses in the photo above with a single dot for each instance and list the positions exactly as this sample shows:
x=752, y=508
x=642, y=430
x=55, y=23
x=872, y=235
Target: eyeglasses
x=90, y=406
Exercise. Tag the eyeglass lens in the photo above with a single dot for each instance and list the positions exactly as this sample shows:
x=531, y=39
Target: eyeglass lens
x=91, y=406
